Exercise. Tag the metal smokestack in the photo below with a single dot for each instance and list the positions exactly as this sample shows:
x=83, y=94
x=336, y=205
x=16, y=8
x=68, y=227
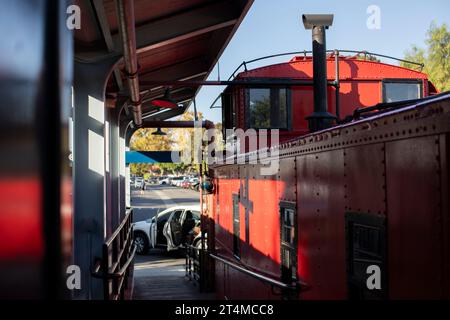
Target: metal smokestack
x=318, y=23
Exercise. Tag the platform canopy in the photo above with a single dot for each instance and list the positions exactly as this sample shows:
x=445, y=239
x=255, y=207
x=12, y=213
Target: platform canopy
x=175, y=40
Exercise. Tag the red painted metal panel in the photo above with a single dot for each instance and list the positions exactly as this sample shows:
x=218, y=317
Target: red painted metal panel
x=444, y=156
x=321, y=227
x=262, y=247
x=415, y=232
x=238, y=286
x=287, y=186
x=364, y=179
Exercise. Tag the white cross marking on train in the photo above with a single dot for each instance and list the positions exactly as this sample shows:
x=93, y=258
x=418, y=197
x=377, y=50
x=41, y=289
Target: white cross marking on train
x=248, y=205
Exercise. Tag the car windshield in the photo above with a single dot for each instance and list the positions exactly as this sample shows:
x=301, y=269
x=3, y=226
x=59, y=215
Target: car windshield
x=164, y=215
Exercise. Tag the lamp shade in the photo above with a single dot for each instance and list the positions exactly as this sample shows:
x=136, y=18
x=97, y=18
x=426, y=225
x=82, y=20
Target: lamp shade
x=165, y=102
x=159, y=132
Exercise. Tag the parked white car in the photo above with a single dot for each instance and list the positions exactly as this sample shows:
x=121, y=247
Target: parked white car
x=168, y=228
x=175, y=181
x=165, y=181
x=138, y=181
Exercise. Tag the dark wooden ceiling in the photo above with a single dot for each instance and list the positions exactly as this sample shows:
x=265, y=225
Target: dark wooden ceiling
x=176, y=40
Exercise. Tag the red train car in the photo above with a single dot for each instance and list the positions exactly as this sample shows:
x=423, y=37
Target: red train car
x=362, y=83
x=362, y=197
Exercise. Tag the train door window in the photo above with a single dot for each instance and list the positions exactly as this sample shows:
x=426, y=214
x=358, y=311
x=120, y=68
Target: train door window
x=288, y=237
x=400, y=90
x=268, y=108
x=229, y=117
x=366, y=248
x=236, y=227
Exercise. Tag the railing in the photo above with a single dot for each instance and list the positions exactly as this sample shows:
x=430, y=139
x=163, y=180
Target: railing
x=365, y=53
x=193, y=264
x=336, y=53
x=115, y=267
x=287, y=288
x=199, y=268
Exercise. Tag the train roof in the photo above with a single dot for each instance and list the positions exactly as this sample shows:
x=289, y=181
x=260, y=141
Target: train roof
x=351, y=67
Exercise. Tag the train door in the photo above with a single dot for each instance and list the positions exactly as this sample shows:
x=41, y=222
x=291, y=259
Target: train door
x=366, y=256
x=288, y=242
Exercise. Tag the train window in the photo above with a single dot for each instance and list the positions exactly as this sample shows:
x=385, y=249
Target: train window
x=366, y=247
x=229, y=117
x=267, y=108
x=288, y=237
x=236, y=227
x=399, y=90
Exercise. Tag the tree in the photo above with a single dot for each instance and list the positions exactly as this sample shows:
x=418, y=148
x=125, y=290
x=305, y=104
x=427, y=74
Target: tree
x=436, y=57
x=367, y=57
x=176, y=139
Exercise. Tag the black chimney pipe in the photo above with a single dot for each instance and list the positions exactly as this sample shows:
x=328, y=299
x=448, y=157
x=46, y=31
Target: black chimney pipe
x=318, y=23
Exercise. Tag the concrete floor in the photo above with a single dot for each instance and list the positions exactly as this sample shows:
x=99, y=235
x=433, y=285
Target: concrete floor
x=160, y=275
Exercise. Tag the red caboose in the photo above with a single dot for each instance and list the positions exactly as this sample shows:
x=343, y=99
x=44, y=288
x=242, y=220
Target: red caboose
x=357, y=83
x=360, y=197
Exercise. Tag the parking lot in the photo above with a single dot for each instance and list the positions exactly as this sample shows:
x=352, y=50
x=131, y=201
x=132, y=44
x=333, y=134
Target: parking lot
x=160, y=275
x=146, y=204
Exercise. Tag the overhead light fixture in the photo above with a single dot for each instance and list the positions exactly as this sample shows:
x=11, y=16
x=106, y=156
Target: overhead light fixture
x=165, y=102
x=159, y=132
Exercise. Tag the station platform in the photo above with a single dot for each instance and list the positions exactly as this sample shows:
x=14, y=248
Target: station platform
x=160, y=275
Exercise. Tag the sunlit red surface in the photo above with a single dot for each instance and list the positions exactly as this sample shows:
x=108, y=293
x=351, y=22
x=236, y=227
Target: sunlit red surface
x=20, y=219
x=164, y=104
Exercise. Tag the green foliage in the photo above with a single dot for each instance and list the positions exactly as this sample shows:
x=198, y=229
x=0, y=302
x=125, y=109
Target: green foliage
x=140, y=169
x=260, y=113
x=436, y=57
x=367, y=57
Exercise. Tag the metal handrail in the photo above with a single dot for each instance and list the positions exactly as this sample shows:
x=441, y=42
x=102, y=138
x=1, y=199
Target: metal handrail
x=96, y=273
x=297, y=286
x=305, y=52
x=117, y=231
x=114, y=266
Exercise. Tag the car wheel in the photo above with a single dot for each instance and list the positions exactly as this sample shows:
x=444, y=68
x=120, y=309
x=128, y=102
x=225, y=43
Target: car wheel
x=141, y=243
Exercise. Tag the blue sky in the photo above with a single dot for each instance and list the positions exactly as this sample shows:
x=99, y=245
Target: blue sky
x=274, y=26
